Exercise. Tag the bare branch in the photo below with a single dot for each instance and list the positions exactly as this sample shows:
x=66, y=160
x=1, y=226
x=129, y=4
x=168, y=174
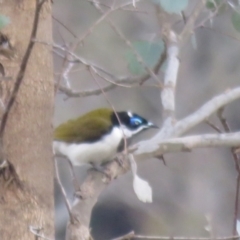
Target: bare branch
x=117, y=80
x=64, y=26
x=93, y=186
x=189, y=26
x=211, y=15
x=207, y=110
x=129, y=44
x=170, y=76
x=103, y=16
x=191, y=142
x=149, y=147
x=71, y=93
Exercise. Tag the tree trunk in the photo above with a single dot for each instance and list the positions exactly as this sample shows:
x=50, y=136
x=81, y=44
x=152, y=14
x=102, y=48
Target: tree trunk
x=28, y=135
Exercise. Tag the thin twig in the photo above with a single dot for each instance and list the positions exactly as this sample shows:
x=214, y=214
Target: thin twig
x=118, y=80
x=64, y=26
x=65, y=62
x=211, y=15
x=216, y=128
x=72, y=219
x=84, y=35
x=223, y=120
x=189, y=26
x=114, y=110
x=129, y=44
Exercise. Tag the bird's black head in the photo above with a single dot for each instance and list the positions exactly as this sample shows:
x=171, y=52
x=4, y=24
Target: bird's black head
x=132, y=123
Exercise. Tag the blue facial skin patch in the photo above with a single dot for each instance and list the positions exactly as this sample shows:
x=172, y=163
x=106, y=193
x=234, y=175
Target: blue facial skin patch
x=135, y=121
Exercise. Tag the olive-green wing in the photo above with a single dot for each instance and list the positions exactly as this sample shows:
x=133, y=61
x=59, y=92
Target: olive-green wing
x=86, y=130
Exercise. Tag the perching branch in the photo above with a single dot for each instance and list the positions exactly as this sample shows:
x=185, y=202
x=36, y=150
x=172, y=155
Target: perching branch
x=93, y=186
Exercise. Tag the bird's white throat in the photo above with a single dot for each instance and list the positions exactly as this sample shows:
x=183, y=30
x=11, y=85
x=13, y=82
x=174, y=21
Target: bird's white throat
x=96, y=152
x=128, y=133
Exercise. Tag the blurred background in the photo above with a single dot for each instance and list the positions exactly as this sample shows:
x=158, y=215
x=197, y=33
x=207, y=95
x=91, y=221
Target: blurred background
x=194, y=194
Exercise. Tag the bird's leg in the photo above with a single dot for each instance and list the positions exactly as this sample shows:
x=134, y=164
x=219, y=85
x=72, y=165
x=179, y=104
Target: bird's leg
x=101, y=169
x=74, y=178
x=120, y=158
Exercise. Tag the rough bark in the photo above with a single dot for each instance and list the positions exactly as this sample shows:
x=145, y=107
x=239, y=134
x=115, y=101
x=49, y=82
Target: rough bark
x=90, y=190
x=28, y=135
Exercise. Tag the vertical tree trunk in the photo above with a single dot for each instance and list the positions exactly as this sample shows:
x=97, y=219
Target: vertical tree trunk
x=28, y=134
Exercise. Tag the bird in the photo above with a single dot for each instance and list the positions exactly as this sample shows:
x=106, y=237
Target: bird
x=97, y=136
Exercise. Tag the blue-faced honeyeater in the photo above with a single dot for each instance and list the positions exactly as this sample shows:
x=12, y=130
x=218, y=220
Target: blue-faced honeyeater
x=96, y=136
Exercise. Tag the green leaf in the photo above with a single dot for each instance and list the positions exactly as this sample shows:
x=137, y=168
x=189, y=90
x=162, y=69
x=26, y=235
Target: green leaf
x=236, y=21
x=4, y=21
x=213, y=4
x=149, y=51
x=172, y=6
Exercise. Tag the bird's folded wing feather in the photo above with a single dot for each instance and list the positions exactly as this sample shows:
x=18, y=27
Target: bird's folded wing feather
x=88, y=130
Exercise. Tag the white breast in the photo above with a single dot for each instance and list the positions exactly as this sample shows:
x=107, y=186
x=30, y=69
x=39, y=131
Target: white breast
x=97, y=152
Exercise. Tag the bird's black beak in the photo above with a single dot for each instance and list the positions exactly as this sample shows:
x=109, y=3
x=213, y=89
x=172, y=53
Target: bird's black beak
x=151, y=125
